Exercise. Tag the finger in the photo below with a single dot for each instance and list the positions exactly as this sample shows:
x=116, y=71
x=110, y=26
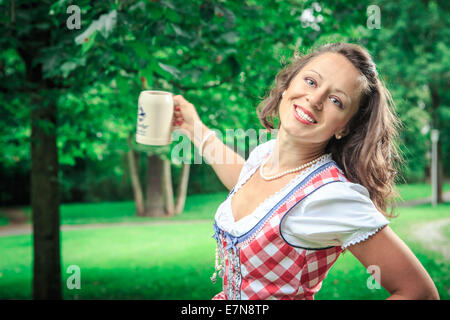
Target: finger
x=181, y=99
x=177, y=97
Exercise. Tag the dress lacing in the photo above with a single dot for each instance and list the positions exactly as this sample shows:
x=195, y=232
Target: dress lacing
x=265, y=205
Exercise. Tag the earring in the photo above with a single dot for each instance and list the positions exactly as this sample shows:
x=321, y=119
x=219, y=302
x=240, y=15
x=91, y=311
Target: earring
x=338, y=136
x=284, y=92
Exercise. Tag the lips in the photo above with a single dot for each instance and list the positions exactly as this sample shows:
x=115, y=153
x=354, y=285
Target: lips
x=306, y=117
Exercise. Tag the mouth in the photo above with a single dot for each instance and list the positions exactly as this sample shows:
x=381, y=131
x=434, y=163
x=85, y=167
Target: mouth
x=303, y=115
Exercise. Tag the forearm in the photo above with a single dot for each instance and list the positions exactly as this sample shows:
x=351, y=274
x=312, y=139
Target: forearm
x=398, y=296
x=226, y=163
x=406, y=297
x=430, y=294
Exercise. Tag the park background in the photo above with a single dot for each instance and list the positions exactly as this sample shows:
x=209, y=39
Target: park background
x=78, y=197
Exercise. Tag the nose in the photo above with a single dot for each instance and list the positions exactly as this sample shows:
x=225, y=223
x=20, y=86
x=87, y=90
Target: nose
x=315, y=100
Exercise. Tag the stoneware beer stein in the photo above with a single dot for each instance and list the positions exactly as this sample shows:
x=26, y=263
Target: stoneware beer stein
x=154, y=119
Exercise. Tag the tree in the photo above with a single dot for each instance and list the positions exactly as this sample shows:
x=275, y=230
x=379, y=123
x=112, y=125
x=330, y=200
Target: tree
x=150, y=45
x=31, y=35
x=412, y=48
x=205, y=50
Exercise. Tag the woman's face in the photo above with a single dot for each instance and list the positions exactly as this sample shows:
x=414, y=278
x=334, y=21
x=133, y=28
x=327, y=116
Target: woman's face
x=326, y=91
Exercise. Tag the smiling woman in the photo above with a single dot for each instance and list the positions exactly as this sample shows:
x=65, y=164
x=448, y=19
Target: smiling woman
x=357, y=124
x=324, y=185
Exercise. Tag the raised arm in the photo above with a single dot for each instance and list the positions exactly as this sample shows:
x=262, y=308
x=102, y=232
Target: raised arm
x=226, y=163
x=400, y=272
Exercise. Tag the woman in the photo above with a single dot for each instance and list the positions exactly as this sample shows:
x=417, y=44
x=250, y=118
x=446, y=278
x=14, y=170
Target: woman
x=321, y=187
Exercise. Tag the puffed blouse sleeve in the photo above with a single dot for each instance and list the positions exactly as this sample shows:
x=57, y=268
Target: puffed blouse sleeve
x=337, y=214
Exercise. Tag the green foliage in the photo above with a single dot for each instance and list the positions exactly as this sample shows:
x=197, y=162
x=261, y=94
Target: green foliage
x=3, y=221
x=412, y=51
x=222, y=56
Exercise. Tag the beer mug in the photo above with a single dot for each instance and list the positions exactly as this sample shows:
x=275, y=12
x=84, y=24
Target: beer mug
x=154, y=119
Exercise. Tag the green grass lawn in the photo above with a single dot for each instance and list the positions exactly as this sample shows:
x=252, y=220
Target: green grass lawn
x=175, y=261
x=128, y=262
x=195, y=208
x=413, y=191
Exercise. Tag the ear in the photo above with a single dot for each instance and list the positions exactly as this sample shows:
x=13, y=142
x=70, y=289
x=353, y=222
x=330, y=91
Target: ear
x=346, y=131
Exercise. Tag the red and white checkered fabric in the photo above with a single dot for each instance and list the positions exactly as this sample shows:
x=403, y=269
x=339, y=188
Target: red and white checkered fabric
x=262, y=265
x=220, y=296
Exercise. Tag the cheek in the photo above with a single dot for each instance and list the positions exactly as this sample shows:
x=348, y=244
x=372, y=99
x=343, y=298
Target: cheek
x=284, y=107
x=335, y=122
x=299, y=86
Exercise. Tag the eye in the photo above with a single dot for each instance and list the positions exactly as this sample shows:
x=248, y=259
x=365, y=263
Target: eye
x=310, y=82
x=336, y=101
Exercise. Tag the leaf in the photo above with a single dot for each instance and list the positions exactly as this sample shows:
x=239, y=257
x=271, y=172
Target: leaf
x=139, y=5
x=89, y=42
x=156, y=14
x=168, y=69
x=105, y=24
x=173, y=16
x=66, y=159
x=179, y=31
x=50, y=63
x=141, y=49
x=67, y=67
x=230, y=18
x=230, y=37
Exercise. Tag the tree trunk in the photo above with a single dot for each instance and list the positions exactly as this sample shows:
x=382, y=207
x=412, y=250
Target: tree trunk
x=154, y=205
x=435, y=103
x=44, y=192
x=47, y=282
x=135, y=183
x=440, y=175
x=182, y=188
x=168, y=189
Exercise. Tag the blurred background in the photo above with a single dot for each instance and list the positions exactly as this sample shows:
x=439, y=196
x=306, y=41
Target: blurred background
x=86, y=213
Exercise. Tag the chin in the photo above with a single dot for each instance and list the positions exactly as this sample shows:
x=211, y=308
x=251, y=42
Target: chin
x=300, y=134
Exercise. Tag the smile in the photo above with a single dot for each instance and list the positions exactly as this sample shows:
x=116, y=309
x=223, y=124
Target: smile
x=301, y=115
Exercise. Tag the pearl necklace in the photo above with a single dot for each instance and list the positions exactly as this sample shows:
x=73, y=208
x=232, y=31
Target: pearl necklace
x=291, y=170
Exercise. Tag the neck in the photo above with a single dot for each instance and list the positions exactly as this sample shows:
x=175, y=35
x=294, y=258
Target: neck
x=288, y=153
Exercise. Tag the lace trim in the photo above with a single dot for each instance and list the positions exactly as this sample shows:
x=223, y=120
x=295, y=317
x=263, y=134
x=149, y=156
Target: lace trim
x=275, y=209
x=361, y=236
x=277, y=194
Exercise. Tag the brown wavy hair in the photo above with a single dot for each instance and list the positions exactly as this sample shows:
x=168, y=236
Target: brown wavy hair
x=369, y=154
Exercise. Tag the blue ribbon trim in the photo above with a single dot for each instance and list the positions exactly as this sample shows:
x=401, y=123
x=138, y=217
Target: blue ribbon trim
x=232, y=241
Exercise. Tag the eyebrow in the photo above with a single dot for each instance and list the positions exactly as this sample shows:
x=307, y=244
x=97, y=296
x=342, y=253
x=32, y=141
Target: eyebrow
x=336, y=89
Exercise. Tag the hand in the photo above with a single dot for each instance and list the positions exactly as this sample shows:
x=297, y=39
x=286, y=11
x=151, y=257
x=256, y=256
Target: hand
x=185, y=115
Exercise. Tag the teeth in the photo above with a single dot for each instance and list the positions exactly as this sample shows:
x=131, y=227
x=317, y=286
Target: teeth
x=304, y=116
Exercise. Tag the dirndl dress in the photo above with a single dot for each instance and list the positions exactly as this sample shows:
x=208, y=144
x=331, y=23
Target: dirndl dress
x=287, y=246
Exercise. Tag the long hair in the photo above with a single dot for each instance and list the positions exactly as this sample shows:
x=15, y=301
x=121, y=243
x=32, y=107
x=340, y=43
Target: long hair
x=369, y=153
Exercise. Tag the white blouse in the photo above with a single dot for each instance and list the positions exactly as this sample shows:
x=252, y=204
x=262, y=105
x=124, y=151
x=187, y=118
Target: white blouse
x=336, y=214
